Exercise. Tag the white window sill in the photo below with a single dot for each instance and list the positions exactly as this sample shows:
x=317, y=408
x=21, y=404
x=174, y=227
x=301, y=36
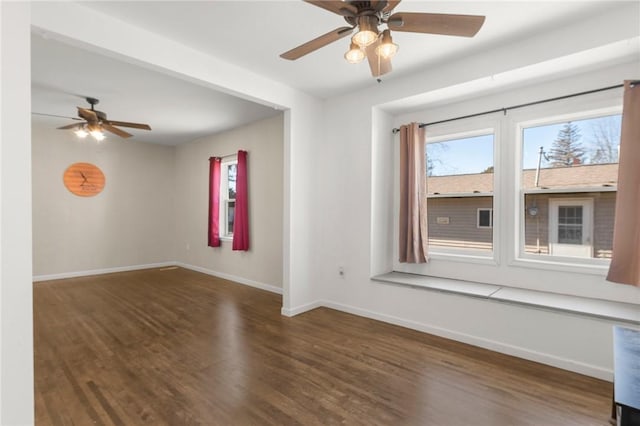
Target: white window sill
x=615, y=311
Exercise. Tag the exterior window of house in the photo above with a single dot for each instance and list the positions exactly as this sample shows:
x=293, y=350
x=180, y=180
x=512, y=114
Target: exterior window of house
x=571, y=227
x=568, y=183
x=485, y=218
x=228, y=196
x=460, y=194
x=570, y=224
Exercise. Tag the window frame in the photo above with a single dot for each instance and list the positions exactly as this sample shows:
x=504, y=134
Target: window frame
x=462, y=129
x=452, y=132
x=225, y=233
x=572, y=110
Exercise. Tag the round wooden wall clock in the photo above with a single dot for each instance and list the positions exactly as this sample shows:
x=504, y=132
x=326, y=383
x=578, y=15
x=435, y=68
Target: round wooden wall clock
x=84, y=179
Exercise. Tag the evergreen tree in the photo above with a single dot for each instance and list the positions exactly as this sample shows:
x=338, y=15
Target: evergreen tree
x=567, y=149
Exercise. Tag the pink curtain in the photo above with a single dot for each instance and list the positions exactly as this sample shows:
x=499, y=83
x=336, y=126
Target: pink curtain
x=413, y=195
x=241, y=219
x=214, y=202
x=625, y=259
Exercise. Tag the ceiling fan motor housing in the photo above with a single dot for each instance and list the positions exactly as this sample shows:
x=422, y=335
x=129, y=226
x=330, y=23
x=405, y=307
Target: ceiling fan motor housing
x=93, y=102
x=373, y=16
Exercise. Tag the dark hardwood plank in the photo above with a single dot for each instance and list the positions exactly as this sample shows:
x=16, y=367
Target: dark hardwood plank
x=176, y=347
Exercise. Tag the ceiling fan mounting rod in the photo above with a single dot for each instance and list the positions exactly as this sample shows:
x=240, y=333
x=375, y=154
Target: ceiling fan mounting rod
x=92, y=101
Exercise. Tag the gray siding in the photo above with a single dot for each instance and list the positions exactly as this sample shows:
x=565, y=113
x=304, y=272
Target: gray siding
x=462, y=230
x=604, y=217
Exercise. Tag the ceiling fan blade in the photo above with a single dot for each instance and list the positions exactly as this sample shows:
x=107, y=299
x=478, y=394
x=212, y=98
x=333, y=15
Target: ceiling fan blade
x=70, y=126
x=116, y=131
x=127, y=124
x=58, y=116
x=336, y=6
x=379, y=65
x=317, y=43
x=436, y=23
x=391, y=4
x=87, y=114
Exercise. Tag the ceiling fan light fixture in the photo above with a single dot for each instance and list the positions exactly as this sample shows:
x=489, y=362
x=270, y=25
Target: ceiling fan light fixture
x=367, y=31
x=354, y=55
x=387, y=48
x=95, y=130
x=97, y=135
x=81, y=132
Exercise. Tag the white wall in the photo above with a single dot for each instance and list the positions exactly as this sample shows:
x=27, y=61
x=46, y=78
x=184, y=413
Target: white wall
x=16, y=314
x=130, y=223
x=262, y=264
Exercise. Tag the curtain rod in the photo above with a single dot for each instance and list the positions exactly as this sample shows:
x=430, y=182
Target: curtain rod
x=505, y=109
x=224, y=156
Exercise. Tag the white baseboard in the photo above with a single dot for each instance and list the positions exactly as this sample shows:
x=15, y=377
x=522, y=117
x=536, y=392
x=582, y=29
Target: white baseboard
x=543, y=358
x=234, y=278
x=291, y=312
x=76, y=274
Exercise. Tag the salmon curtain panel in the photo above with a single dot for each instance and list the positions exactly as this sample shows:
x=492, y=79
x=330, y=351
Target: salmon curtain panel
x=241, y=219
x=625, y=259
x=413, y=195
x=214, y=202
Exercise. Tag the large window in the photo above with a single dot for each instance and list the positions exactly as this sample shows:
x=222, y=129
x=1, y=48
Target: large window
x=524, y=199
x=568, y=183
x=460, y=194
x=228, y=173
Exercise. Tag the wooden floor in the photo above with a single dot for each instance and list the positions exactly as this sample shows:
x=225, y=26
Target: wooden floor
x=178, y=347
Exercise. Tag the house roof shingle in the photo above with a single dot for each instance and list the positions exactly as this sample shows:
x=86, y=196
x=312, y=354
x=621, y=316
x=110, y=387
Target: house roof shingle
x=555, y=178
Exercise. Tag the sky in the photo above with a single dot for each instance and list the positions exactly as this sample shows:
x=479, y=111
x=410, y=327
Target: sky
x=475, y=154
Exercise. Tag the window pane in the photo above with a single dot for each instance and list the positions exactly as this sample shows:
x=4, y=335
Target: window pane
x=231, y=179
x=459, y=182
x=484, y=218
x=570, y=234
x=231, y=206
x=571, y=160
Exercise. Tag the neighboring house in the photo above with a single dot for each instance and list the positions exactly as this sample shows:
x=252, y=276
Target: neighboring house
x=569, y=213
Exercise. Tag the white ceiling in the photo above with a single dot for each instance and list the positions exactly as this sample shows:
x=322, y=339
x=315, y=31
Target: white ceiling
x=252, y=34
x=177, y=111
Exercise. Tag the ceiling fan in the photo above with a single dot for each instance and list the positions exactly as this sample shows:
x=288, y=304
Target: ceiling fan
x=96, y=122
x=377, y=46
